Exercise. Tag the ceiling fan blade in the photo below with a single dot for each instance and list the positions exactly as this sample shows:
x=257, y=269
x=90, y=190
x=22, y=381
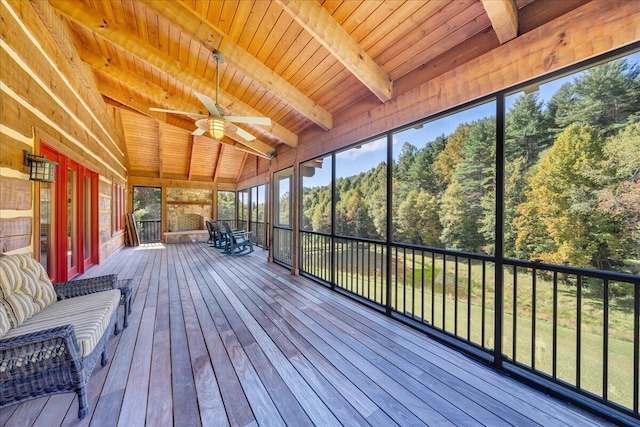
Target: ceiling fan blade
x=203, y=124
x=244, y=134
x=247, y=119
x=208, y=102
x=198, y=131
x=186, y=113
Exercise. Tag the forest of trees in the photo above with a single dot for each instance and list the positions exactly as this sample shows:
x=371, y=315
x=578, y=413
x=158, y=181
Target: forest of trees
x=226, y=205
x=571, y=191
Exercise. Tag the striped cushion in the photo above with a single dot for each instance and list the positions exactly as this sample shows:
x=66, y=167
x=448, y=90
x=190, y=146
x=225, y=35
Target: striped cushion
x=89, y=314
x=25, y=288
x=4, y=321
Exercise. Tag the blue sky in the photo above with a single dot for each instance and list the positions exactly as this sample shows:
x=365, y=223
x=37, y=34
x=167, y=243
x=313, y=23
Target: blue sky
x=355, y=161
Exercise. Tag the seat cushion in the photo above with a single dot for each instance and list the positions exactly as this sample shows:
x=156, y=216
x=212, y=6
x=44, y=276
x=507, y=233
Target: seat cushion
x=89, y=314
x=4, y=321
x=25, y=288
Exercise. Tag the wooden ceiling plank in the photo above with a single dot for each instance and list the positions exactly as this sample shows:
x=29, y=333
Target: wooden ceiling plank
x=318, y=22
x=255, y=147
x=85, y=17
x=241, y=168
x=463, y=26
x=210, y=36
x=125, y=100
x=433, y=21
x=504, y=18
x=133, y=104
x=218, y=163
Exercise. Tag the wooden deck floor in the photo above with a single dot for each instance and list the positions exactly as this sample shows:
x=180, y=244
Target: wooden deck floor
x=215, y=340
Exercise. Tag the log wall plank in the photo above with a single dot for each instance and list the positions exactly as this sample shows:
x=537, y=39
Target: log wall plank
x=15, y=233
x=15, y=194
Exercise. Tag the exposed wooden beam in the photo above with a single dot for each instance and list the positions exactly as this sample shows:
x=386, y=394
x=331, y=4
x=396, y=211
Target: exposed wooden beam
x=321, y=25
x=218, y=163
x=104, y=65
x=164, y=64
x=117, y=122
x=504, y=18
x=159, y=139
x=191, y=156
x=241, y=168
x=199, y=28
x=148, y=89
x=122, y=100
x=130, y=103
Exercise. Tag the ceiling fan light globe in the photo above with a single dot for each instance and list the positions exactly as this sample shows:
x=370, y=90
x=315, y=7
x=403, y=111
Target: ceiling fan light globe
x=216, y=128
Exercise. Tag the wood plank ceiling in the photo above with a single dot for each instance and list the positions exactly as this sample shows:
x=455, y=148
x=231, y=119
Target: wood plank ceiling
x=307, y=65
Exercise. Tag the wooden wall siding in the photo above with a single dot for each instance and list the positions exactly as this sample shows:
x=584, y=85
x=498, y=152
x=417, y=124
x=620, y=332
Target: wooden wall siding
x=16, y=208
x=12, y=146
x=30, y=72
x=46, y=96
x=15, y=233
x=81, y=81
x=15, y=193
x=592, y=29
x=256, y=171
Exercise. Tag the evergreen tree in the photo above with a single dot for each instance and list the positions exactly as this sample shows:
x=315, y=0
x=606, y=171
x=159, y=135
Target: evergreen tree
x=515, y=188
x=475, y=175
x=606, y=97
x=525, y=132
x=422, y=173
x=559, y=110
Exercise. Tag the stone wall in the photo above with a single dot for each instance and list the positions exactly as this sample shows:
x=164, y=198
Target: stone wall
x=185, y=203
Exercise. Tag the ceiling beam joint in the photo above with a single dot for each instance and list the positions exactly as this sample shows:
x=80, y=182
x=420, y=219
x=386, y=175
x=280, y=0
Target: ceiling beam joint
x=321, y=25
x=503, y=15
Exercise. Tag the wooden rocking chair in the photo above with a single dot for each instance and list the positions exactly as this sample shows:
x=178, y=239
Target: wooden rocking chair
x=238, y=242
x=216, y=237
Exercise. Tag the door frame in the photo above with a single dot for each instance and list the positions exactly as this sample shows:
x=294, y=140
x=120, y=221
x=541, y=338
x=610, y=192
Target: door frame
x=58, y=249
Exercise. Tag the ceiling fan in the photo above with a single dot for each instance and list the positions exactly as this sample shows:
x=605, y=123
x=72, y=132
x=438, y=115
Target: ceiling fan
x=216, y=122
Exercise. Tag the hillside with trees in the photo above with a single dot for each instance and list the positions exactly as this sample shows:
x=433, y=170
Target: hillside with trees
x=572, y=180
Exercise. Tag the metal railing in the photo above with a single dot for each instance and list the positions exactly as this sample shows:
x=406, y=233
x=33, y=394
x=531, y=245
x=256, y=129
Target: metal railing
x=149, y=230
x=571, y=329
x=361, y=268
x=283, y=246
x=258, y=233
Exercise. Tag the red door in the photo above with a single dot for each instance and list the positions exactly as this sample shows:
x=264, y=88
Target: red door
x=68, y=238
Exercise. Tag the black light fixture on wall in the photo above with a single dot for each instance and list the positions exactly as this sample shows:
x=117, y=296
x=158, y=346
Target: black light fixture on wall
x=41, y=168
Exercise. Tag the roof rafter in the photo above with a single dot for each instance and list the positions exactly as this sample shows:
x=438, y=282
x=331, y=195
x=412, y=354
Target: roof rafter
x=199, y=28
x=146, y=88
x=105, y=28
x=127, y=101
x=321, y=25
x=503, y=15
x=218, y=163
x=191, y=156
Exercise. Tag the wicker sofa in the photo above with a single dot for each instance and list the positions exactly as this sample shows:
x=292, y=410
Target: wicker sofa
x=51, y=336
